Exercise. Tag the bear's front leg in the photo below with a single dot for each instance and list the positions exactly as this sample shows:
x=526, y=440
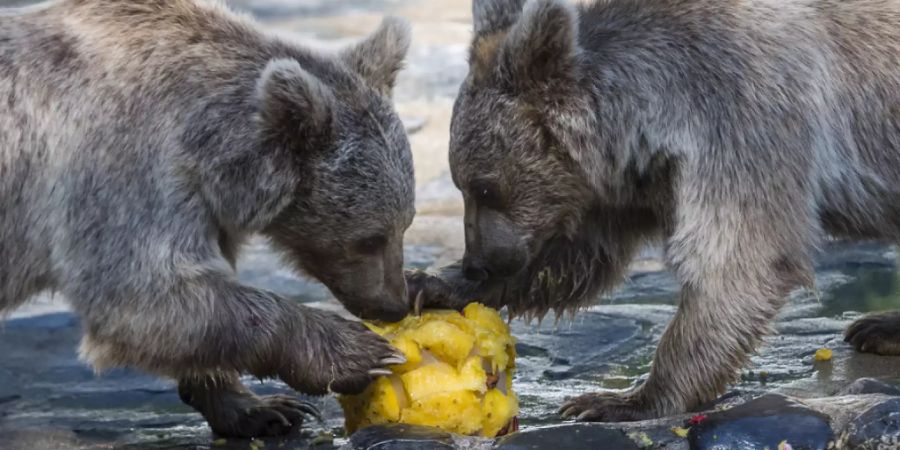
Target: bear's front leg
x=717, y=325
x=190, y=326
x=233, y=411
x=736, y=267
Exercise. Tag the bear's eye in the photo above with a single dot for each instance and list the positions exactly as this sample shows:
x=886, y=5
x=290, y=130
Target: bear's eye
x=486, y=193
x=371, y=244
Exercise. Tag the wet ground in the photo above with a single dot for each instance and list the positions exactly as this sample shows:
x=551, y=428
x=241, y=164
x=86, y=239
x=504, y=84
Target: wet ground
x=48, y=399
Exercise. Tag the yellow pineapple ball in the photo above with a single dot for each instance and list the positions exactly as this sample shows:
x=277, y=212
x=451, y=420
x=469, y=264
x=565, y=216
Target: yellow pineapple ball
x=457, y=375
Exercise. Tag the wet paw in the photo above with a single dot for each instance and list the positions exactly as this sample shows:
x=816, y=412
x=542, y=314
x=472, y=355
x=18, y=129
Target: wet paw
x=604, y=407
x=244, y=415
x=876, y=333
x=430, y=291
x=339, y=356
x=362, y=357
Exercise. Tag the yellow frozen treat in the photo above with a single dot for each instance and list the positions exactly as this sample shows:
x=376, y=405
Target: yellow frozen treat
x=458, y=375
x=458, y=412
x=412, y=352
x=429, y=379
x=498, y=408
x=486, y=317
x=446, y=341
x=383, y=405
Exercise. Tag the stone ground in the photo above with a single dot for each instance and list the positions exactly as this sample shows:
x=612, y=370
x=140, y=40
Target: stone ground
x=48, y=399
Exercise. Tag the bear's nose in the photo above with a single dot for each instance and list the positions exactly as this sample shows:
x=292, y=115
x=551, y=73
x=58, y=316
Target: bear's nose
x=389, y=313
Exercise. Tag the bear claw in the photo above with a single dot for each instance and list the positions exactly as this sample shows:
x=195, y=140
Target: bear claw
x=603, y=407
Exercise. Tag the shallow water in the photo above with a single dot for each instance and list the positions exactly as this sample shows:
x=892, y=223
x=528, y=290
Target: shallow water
x=47, y=394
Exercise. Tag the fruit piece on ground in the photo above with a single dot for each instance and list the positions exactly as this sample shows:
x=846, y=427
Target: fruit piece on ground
x=824, y=354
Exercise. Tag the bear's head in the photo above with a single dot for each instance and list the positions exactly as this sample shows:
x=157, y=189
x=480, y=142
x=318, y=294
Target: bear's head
x=522, y=125
x=346, y=221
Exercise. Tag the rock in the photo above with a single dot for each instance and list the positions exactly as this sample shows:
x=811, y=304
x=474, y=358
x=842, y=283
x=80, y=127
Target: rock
x=574, y=436
x=876, y=428
x=400, y=437
x=763, y=422
x=869, y=386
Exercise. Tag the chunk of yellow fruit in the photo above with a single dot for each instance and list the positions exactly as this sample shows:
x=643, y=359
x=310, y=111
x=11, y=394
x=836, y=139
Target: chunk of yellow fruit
x=410, y=350
x=472, y=375
x=378, y=404
x=457, y=412
x=681, y=431
x=823, y=354
x=429, y=380
x=458, y=375
x=486, y=318
x=498, y=408
x=446, y=341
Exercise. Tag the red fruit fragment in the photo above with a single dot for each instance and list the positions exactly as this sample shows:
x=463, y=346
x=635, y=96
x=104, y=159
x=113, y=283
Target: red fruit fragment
x=696, y=420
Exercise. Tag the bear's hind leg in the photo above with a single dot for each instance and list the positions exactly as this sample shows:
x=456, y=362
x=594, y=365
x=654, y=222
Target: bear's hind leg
x=233, y=411
x=877, y=333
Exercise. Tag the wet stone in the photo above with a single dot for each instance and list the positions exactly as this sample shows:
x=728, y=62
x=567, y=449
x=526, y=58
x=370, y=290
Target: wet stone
x=576, y=436
x=869, y=386
x=400, y=437
x=763, y=422
x=876, y=428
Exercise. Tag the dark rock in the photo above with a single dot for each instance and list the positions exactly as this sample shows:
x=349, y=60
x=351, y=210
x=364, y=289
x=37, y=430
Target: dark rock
x=869, y=386
x=878, y=427
x=575, y=436
x=728, y=400
x=401, y=437
x=763, y=422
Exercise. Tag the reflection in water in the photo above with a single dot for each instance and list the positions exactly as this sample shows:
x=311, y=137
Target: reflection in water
x=872, y=289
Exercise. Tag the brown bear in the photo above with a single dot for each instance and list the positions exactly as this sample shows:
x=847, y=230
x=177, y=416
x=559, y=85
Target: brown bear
x=141, y=142
x=736, y=134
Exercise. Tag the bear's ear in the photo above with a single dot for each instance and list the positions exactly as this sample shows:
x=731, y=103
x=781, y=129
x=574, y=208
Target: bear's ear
x=492, y=20
x=542, y=46
x=492, y=16
x=379, y=57
x=296, y=108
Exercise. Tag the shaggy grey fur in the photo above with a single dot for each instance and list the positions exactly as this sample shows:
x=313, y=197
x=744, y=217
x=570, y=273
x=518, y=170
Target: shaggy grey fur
x=738, y=134
x=142, y=141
